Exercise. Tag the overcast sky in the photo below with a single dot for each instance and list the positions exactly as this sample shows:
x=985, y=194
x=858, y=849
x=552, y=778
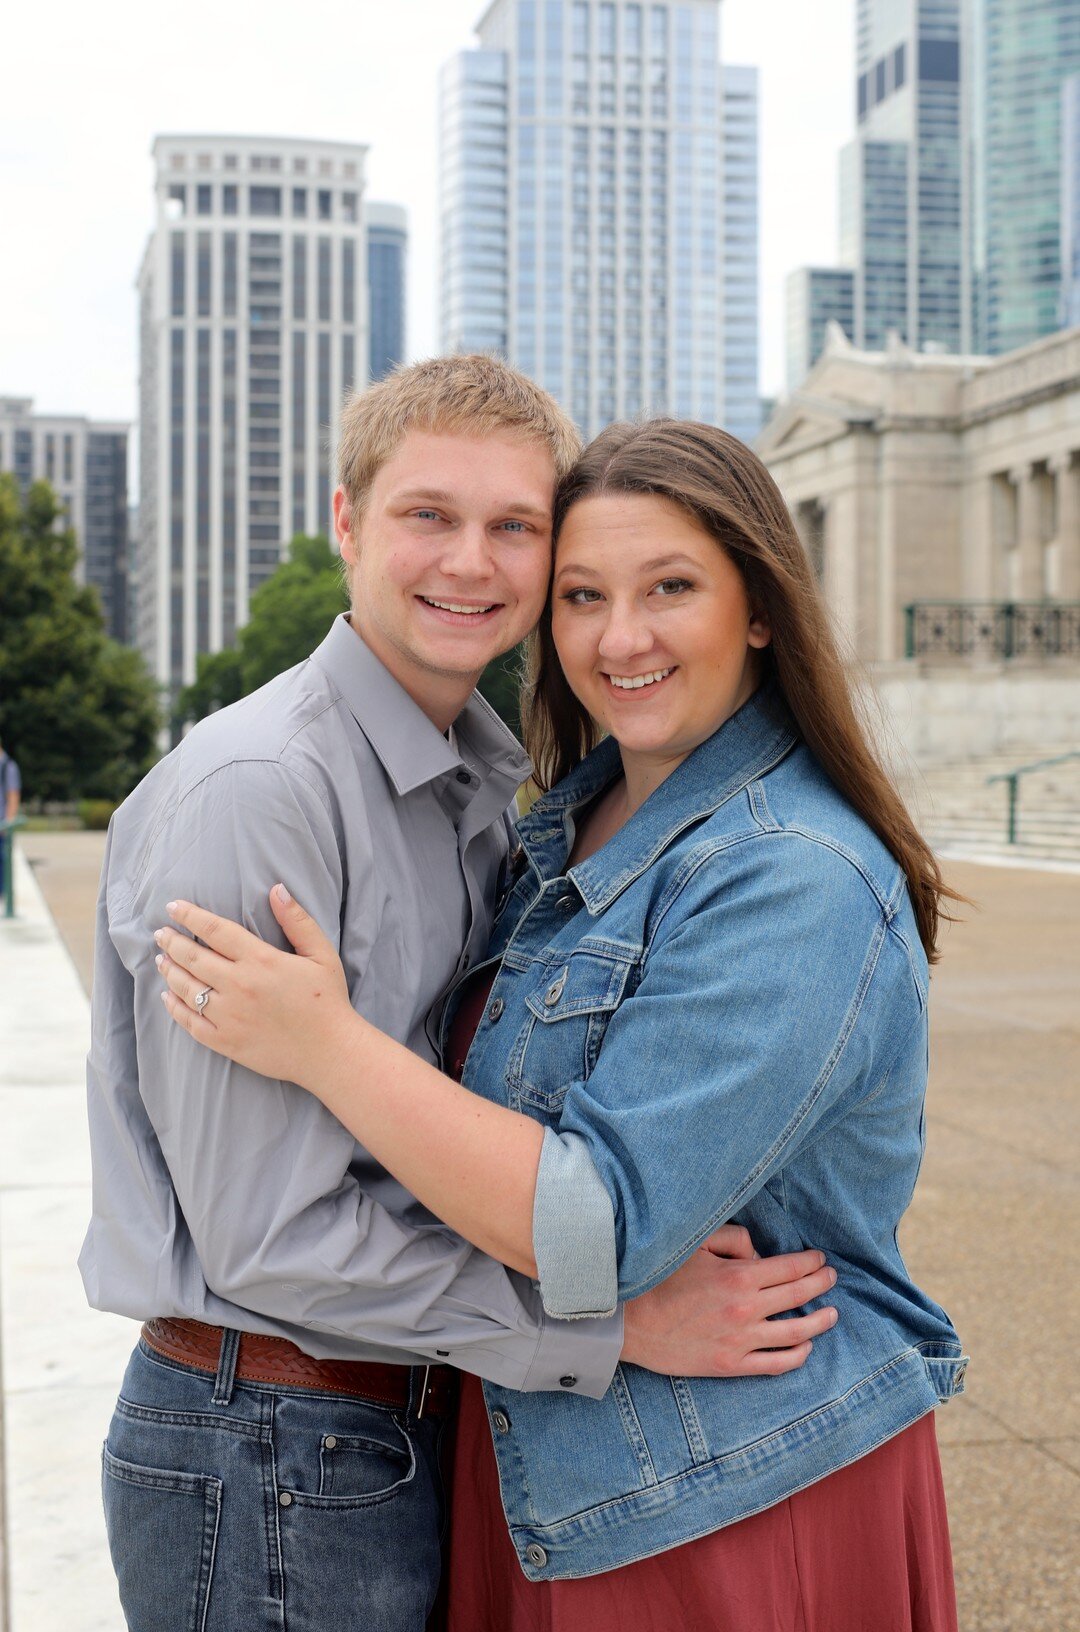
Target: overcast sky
x=87, y=88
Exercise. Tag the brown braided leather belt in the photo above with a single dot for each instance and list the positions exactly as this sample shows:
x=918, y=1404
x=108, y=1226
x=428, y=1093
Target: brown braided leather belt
x=275, y=1360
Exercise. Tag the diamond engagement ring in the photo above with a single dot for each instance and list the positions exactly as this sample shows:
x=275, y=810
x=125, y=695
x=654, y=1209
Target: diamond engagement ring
x=202, y=998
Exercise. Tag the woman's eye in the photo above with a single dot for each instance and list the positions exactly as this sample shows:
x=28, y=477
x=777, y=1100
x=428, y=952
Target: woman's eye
x=581, y=597
x=673, y=586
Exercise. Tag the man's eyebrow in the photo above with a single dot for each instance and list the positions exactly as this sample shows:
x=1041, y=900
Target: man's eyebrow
x=433, y=495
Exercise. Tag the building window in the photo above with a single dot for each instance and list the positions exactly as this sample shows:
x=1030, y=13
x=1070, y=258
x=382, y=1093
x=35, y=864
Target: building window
x=202, y=275
x=899, y=66
x=264, y=200
x=203, y=199
x=348, y=207
x=324, y=202
x=229, y=202
x=939, y=60
x=299, y=278
x=299, y=202
x=324, y=280
x=178, y=271
x=348, y=284
x=228, y=274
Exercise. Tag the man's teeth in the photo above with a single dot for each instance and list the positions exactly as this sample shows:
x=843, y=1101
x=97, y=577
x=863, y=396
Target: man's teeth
x=636, y=681
x=452, y=606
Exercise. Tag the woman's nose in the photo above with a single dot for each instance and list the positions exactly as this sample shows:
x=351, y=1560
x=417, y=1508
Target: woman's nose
x=626, y=633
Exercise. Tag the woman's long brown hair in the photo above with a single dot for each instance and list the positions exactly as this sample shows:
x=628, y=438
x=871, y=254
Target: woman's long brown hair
x=726, y=489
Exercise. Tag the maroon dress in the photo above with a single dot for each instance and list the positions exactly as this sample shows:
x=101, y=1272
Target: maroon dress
x=866, y=1549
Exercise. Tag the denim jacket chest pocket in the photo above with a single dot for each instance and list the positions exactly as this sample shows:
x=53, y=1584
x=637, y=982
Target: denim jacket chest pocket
x=568, y=1010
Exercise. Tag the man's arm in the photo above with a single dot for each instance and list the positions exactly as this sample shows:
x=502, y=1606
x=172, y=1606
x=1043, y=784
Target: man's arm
x=261, y=1171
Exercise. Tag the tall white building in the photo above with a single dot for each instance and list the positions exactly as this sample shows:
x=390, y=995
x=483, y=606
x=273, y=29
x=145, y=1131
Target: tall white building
x=85, y=462
x=254, y=324
x=598, y=207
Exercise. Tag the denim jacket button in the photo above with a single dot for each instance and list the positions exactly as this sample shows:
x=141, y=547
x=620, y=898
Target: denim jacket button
x=285, y=1499
x=496, y=1009
x=536, y=1555
x=555, y=991
x=568, y=1382
x=501, y=1421
x=330, y=1442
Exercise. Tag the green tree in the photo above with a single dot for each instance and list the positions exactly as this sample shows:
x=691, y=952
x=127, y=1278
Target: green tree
x=500, y=684
x=79, y=712
x=290, y=614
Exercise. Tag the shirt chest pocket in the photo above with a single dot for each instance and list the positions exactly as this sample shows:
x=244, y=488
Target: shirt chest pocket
x=566, y=1019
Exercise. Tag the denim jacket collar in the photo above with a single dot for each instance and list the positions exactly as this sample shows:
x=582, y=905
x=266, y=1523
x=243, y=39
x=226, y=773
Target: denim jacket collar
x=758, y=736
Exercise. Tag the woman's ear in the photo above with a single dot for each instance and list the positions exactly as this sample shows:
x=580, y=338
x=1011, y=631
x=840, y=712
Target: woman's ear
x=759, y=632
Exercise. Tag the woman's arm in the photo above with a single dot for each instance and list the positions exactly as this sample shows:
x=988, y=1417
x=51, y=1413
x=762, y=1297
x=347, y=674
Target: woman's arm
x=470, y=1162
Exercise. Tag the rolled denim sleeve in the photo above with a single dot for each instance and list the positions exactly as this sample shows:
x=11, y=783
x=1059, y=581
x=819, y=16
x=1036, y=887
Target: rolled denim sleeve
x=254, y=1179
x=743, y=1033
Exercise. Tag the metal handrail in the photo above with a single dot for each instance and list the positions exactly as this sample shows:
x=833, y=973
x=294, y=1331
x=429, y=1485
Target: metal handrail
x=7, y=864
x=1013, y=779
x=1041, y=628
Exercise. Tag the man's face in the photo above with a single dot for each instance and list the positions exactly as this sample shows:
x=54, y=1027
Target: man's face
x=449, y=561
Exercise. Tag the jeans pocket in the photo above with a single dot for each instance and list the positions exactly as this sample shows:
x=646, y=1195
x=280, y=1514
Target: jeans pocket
x=162, y=1527
x=354, y=1468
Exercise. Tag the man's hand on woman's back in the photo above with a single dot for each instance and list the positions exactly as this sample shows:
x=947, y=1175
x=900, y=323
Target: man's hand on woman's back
x=712, y=1317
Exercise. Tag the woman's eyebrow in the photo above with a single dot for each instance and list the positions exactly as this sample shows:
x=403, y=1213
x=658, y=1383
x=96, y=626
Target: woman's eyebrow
x=655, y=565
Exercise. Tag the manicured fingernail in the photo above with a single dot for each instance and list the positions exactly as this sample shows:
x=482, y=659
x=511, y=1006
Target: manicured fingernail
x=159, y=936
x=164, y=996
x=171, y=906
x=282, y=894
x=160, y=959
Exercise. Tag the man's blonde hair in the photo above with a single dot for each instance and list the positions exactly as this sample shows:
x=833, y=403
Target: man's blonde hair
x=471, y=395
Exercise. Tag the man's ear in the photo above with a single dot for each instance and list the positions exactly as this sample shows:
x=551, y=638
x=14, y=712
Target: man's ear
x=343, y=526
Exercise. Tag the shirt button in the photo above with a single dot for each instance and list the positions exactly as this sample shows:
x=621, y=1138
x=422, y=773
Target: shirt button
x=496, y=1009
x=568, y=901
x=464, y=778
x=285, y=1499
x=501, y=1421
x=330, y=1442
x=567, y=1382
x=536, y=1555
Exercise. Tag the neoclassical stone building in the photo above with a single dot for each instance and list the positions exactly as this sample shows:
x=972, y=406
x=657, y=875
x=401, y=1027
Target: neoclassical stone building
x=929, y=478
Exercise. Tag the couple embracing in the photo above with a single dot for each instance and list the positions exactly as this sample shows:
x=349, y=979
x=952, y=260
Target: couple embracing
x=587, y=1113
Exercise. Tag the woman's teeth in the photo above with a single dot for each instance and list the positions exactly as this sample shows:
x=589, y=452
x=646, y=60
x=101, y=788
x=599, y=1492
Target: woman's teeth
x=634, y=682
x=452, y=606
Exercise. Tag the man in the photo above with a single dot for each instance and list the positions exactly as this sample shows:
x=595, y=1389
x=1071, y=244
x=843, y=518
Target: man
x=273, y=1456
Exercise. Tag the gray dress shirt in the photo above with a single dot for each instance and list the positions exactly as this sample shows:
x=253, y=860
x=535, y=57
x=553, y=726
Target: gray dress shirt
x=224, y=1196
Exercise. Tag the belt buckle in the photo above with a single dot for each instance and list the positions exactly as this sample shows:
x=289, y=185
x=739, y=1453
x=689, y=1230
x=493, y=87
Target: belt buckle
x=423, y=1393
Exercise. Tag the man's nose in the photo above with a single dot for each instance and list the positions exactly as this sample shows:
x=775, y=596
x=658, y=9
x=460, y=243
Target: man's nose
x=468, y=554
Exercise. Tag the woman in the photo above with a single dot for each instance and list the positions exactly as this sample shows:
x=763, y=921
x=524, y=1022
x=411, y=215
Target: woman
x=706, y=998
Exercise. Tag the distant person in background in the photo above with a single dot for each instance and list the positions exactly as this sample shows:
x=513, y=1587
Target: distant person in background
x=10, y=799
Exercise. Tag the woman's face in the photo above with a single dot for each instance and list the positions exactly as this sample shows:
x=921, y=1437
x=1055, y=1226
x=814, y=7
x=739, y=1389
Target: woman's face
x=652, y=624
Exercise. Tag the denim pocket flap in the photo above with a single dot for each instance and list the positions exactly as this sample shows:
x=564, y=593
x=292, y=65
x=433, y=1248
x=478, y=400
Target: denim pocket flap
x=587, y=982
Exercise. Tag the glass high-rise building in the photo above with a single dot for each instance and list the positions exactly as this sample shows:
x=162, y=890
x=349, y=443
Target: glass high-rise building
x=1070, y=202
x=387, y=227
x=85, y=461
x=900, y=179
x=253, y=325
x=1020, y=54
x=598, y=207
x=815, y=296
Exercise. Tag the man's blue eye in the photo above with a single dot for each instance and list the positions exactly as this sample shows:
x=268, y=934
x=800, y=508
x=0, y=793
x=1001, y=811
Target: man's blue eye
x=427, y=515
x=515, y=526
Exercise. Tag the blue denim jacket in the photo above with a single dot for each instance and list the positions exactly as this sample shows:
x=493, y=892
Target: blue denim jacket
x=719, y=1015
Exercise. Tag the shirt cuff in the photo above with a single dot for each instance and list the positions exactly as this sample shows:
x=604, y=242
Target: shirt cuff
x=577, y=1356
x=573, y=1231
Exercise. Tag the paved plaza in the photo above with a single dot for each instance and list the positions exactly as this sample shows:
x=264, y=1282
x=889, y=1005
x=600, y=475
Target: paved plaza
x=991, y=1234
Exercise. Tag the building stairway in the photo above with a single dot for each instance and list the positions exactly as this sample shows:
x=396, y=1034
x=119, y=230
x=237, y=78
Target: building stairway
x=962, y=814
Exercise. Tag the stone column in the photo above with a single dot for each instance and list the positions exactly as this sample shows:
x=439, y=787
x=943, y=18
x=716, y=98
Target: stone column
x=1067, y=479
x=1027, y=582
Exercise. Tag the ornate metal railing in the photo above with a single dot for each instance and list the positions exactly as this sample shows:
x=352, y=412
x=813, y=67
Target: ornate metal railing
x=1012, y=778
x=992, y=629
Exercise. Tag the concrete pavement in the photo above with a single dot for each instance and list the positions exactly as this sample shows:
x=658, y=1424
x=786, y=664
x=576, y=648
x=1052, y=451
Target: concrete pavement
x=990, y=1234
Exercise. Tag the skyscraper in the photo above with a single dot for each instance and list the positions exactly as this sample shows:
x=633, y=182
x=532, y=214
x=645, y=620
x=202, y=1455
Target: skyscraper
x=85, y=461
x=254, y=324
x=387, y=229
x=900, y=179
x=1070, y=202
x=815, y=296
x=1020, y=54
x=598, y=207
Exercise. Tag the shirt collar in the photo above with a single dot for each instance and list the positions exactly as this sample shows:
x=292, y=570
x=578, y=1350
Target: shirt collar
x=754, y=739
x=410, y=747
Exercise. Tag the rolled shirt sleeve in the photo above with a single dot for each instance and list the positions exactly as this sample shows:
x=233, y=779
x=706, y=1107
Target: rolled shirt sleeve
x=252, y=1182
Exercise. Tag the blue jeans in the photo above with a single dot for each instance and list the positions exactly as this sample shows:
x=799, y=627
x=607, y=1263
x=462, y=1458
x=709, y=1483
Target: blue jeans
x=244, y=1507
